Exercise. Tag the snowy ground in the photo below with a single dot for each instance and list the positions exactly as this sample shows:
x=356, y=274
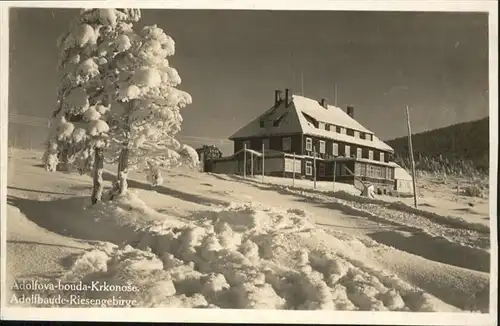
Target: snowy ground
x=218, y=241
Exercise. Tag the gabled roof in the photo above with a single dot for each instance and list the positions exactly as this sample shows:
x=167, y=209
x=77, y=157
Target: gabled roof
x=292, y=120
x=333, y=115
x=287, y=123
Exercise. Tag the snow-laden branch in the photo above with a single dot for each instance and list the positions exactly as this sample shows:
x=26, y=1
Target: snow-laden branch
x=118, y=92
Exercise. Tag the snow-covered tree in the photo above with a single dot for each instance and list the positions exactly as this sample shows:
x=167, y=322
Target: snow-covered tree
x=117, y=101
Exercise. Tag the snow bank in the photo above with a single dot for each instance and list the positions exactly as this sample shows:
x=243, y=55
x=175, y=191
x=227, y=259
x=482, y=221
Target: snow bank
x=349, y=193
x=445, y=220
x=454, y=230
x=236, y=256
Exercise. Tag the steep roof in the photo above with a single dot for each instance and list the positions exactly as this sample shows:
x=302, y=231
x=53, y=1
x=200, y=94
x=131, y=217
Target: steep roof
x=287, y=123
x=292, y=120
x=333, y=115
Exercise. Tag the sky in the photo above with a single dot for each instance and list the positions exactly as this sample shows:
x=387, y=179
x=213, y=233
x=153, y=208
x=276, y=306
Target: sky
x=232, y=61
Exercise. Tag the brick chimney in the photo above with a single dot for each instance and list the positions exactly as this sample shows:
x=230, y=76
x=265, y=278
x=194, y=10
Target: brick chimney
x=288, y=97
x=277, y=97
x=323, y=103
x=350, y=111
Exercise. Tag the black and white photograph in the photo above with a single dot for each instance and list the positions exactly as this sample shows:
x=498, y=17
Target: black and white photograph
x=328, y=160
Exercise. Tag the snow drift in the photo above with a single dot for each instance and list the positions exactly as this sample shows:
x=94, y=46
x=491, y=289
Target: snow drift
x=236, y=256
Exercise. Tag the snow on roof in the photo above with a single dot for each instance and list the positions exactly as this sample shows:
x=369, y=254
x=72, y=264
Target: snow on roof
x=295, y=122
x=249, y=151
x=333, y=115
x=289, y=124
x=400, y=173
x=339, y=118
x=363, y=160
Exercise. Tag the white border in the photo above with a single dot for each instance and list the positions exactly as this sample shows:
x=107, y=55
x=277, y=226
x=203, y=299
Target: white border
x=266, y=316
x=4, y=103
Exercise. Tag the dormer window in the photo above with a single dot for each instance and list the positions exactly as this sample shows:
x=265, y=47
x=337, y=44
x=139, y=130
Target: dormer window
x=321, y=125
x=343, y=130
x=356, y=134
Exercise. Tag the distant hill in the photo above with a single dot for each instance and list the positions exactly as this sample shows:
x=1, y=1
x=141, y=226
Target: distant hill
x=459, y=148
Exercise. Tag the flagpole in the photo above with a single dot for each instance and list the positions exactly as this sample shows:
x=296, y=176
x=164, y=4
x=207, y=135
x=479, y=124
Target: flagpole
x=410, y=148
x=335, y=94
x=302, y=82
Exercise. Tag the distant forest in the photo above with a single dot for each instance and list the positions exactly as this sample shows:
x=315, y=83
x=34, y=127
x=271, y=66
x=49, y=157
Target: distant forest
x=458, y=149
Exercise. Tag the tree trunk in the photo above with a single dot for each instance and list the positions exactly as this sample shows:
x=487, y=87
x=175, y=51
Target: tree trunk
x=98, y=181
x=120, y=186
x=121, y=182
x=63, y=158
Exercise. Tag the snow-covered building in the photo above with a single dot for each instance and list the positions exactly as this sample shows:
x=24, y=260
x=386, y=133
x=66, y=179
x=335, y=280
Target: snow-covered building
x=322, y=137
x=403, y=182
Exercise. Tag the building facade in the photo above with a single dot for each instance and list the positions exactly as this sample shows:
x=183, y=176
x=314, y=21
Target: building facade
x=322, y=141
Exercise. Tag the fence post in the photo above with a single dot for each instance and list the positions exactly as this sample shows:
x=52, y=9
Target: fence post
x=244, y=160
x=263, y=159
x=314, y=166
x=251, y=163
x=334, y=173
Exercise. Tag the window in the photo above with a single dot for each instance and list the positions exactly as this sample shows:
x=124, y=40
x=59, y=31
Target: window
x=290, y=163
x=347, y=151
x=343, y=130
x=356, y=134
x=359, y=152
x=261, y=123
x=322, y=169
x=298, y=166
x=335, y=149
x=309, y=144
x=389, y=173
x=309, y=168
x=322, y=148
x=357, y=169
x=370, y=155
x=265, y=143
x=246, y=144
x=362, y=169
x=287, y=144
x=376, y=172
x=321, y=125
x=327, y=127
x=382, y=158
